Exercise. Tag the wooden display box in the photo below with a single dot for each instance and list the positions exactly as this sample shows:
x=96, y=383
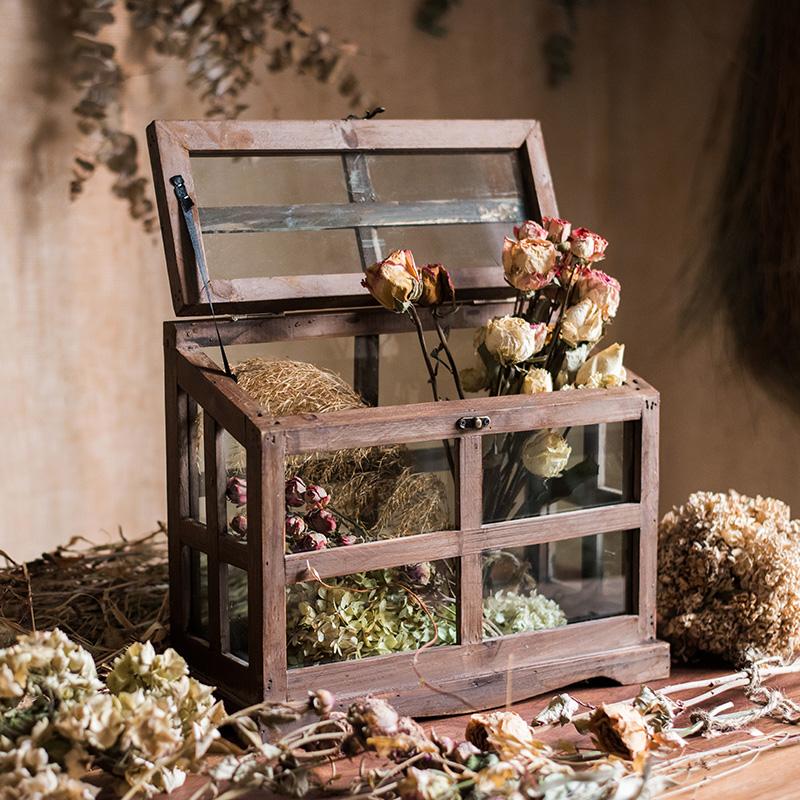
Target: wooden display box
x=595, y=552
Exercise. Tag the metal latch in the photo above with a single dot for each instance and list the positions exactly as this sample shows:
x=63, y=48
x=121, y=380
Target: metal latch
x=472, y=423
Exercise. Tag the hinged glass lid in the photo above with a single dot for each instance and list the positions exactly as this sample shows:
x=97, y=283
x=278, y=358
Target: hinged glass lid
x=286, y=215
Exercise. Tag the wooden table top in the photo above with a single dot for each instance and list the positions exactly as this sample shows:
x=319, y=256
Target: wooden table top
x=773, y=775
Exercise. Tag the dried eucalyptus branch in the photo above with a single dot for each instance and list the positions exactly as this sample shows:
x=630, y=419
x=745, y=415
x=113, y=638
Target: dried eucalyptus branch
x=220, y=41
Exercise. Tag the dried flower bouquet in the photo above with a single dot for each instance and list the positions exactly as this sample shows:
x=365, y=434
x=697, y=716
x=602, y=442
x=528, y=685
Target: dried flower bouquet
x=149, y=724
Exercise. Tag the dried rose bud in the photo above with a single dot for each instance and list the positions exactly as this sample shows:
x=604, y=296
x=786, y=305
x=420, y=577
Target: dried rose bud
x=322, y=701
x=239, y=524
x=295, y=489
x=311, y=541
x=420, y=574
x=348, y=539
x=437, y=286
x=316, y=496
x=394, y=282
x=321, y=521
x=295, y=526
x=236, y=490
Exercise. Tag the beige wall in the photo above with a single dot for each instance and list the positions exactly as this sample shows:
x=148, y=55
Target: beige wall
x=83, y=289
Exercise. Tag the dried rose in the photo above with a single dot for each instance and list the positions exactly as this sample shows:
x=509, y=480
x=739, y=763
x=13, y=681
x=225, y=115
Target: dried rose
x=537, y=380
x=546, y=454
x=239, y=524
x=420, y=574
x=236, y=490
x=498, y=780
x=347, y=539
x=295, y=492
x=530, y=230
x=322, y=701
x=587, y=245
x=437, y=286
x=512, y=340
x=604, y=369
x=294, y=525
x=503, y=732
x=474, y=379
x=321, y=521
x=394, y=282
x=316, y=496
x=529, y=264
x=558, y=230
x=373, y=718
x=582, y=322
x=617, y=728
x=600, y=288
x=312, y=541
x=427, y=784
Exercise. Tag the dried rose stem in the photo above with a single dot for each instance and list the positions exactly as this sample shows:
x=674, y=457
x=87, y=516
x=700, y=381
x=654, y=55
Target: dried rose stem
x=412, y=312
x=449, y=354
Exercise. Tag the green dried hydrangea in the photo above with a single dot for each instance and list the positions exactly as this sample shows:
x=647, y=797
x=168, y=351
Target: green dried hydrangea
x=365, y=614
x=506, y=612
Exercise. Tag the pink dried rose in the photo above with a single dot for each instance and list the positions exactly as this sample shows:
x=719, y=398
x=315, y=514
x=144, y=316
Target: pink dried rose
x=316, y=496
x=394, y=282
x=347, y=539
x=529, y=264
x=600, y=288
x=321, y=521
x=587, y=245
x=437, y=286
x=295, y=526
x=558, y=230
x=295, y=492
x=530, y=230
x=239, y=524
x=311, y=541
x=236, y=490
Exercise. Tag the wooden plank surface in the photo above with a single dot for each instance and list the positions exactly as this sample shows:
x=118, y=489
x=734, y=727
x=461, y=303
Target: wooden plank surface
x=772, y=776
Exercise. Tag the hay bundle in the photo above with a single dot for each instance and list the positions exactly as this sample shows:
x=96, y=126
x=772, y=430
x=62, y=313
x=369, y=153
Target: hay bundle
x=375, y=486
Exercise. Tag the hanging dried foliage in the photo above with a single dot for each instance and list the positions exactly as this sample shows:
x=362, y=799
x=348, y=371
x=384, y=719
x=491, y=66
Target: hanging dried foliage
x=221, y=42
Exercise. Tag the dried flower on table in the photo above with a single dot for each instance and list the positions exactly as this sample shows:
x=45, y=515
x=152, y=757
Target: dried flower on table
x=729, y=577
x=619, y=729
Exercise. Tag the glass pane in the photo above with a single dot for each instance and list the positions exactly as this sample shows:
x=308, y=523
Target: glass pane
x=549, y=585
x=237, y=612
x=532, y=473
x=371, y=613
x=197, y=464
x=343, y=497
x=197, y=563
x=444, y=176
x=235, y=460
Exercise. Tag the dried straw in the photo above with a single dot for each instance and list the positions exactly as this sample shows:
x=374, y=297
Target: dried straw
x=104, y=596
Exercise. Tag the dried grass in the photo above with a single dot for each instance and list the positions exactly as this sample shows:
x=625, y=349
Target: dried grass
x=104, y=596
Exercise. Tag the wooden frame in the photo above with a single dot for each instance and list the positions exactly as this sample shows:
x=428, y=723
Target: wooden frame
x=173, y=144
x=476, y=672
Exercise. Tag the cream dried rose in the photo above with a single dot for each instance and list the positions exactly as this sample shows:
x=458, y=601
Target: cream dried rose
x=530, y=230
x=546, y=454
x=394, y=282
x=618, y=729
x=582, y=322
x=604, y=369
x=587, y=245
x=537, y=380
x=558, y=230
x=600, y=288
x=474, y=379
x=511, y=339
x=529, y=264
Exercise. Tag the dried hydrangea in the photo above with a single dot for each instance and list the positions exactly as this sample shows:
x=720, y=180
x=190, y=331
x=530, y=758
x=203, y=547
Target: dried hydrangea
x=729, y=577
x=361, y=615
x=26, y=773
x=506, y=612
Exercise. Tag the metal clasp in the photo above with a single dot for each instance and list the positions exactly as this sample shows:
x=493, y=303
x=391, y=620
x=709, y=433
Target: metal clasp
x=472, y=423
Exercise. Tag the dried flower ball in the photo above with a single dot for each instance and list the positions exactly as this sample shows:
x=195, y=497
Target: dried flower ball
x=729, y=577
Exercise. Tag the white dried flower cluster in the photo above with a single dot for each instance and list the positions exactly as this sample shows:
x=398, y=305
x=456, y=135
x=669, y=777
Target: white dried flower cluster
x=57, y=718
x=511, y=612
x=729, y=577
